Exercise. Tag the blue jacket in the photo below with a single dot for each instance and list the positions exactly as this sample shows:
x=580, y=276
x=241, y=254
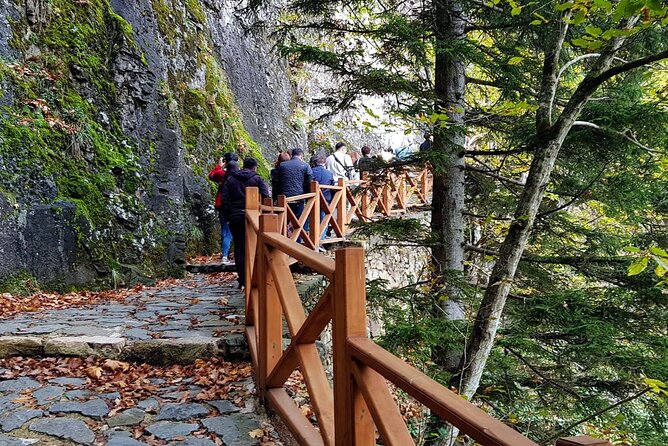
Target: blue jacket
x=294, y=178
x=233, y=192
x=324, y=177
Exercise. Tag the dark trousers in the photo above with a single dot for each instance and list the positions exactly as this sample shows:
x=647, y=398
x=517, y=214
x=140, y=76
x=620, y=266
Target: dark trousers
x=238, y=229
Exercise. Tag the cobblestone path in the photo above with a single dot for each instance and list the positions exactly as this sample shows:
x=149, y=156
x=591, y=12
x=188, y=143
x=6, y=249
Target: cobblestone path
x=118, y=401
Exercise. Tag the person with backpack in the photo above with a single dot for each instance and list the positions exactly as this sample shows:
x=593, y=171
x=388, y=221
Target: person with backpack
x=340, y=163
x=226, y=164
x=233, y=195
x=325, y=178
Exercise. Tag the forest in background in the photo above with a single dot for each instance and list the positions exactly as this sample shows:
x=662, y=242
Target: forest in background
x=546, y=302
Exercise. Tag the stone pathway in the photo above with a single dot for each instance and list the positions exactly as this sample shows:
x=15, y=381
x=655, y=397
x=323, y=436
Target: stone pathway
x=184, y=407
x=97, y=401
x=203, y=313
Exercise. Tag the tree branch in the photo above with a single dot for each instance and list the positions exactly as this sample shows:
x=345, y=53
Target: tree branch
x=594, y=415
x=625, y=134
x=576, y=197
x=537, y=372
x=550, y=79
x=493, y=175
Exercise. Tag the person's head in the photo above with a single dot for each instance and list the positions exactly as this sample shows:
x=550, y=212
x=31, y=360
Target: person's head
x=283, y=156
x=317, y=160
x=340, y=147
x=230, y=156
x=298, y=153
x=427, y=136
x=232, y=166
x=250, y=163
x=354, y=156
x=366, y=150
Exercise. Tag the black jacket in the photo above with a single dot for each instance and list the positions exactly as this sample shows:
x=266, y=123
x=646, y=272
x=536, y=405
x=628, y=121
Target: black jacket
x=294, y=178
x=234, y=192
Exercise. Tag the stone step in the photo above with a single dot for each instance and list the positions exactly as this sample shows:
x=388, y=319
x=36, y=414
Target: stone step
x=209, y=268
x=231, y=346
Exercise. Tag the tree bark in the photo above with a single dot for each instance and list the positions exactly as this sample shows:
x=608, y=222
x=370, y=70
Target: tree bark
x=448, y=196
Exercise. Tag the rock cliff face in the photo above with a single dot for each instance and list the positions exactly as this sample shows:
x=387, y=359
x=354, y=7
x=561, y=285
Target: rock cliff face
x=112, y=113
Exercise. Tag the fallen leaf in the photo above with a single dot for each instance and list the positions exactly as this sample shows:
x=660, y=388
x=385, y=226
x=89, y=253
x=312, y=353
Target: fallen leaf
x=257, y=433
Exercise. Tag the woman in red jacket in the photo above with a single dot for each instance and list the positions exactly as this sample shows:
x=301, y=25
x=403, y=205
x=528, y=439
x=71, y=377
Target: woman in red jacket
x=228, y=163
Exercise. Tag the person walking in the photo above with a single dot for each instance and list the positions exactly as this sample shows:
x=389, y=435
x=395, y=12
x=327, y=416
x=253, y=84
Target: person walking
x=226, y=164
x=273, y=175
x=294, y=178
x=365, y=163
x=426, y=145
x=234, y=209
x=340, y=163
x=325, y=178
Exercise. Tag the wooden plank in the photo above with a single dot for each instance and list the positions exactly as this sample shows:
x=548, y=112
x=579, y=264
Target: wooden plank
x=582, y=440
x=299, y=426
x=314, y=216
x=270, y=325
x=310, y=330
x=318, y=262
x=251, y=338
x=382, y=406
x=318, y=389
x=299, y=197
x=287, y=290
x=353, y=422
x=451, y=407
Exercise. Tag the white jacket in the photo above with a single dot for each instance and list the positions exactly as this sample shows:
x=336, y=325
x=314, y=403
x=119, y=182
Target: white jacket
x=341, y=167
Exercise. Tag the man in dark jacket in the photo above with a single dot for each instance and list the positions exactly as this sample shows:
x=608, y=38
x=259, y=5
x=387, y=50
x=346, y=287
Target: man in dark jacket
x=294, y=178
x=234, y=209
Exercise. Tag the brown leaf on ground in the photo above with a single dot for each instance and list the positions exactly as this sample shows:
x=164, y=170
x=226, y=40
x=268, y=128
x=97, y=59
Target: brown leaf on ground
x=93, y=372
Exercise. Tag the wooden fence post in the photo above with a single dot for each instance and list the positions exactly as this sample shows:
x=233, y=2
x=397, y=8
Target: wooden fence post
x=582, y=440
x=252, y=204
x=270, y=325
x=364, y=201
x=352, y=420
x=314, y=216
x=283, y=223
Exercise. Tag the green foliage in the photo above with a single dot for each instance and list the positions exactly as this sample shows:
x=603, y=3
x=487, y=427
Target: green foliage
x=20, y=285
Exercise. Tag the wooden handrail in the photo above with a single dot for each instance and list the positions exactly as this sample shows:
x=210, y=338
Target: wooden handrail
x=360, y=402
x=443, y=402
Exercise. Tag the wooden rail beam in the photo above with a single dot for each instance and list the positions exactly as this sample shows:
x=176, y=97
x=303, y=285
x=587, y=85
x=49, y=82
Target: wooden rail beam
x=582, y=440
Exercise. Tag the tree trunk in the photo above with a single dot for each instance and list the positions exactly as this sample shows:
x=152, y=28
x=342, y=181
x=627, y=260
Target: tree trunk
x=448, y=196
x=549, y=139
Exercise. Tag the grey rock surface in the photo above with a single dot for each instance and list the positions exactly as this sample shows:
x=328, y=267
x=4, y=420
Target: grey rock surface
x=48, y=394
x=18, y=418
x=224, y=407
x=129, y=417
x=18, y=384
x=168, y=430
x=92, y=408
x=66, y=428
x=233, y=429
x=182, y=411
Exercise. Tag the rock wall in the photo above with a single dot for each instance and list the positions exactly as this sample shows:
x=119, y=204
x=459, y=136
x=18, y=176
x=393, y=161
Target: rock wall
x=112, y=113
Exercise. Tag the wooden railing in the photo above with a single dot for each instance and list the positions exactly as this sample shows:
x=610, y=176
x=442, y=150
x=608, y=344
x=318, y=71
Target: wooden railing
x=395, y=192
x=359, y=404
